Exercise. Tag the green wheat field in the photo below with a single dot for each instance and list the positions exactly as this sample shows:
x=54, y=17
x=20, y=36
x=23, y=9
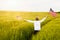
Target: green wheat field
x=13, y=29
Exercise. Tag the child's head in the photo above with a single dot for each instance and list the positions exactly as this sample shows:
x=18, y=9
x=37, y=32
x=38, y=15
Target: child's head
x=37, y=18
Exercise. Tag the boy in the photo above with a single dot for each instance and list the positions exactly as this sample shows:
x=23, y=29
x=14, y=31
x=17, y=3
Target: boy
x=37, y=24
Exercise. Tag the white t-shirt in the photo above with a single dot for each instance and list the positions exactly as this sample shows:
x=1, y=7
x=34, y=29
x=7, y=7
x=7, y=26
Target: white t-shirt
x=37, y=24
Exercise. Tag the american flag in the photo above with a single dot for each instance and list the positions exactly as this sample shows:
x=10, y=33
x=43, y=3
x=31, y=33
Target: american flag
x=52, y=12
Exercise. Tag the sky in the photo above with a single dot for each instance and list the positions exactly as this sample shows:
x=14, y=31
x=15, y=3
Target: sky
x=30, y=5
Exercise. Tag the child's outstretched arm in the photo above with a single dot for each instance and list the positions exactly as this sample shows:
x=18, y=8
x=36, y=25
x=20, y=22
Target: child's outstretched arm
x=29, y=21
x=43, y=19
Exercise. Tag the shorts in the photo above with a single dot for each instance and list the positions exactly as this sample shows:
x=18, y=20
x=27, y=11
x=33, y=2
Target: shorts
x=36, y=31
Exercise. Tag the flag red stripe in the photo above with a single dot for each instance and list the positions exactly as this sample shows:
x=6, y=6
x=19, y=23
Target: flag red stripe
x=53, y=14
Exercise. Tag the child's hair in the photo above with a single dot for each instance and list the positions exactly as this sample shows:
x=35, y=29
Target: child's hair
x=37, y=18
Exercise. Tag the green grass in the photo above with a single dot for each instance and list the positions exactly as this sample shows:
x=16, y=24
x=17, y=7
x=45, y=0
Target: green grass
x=13, y=29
